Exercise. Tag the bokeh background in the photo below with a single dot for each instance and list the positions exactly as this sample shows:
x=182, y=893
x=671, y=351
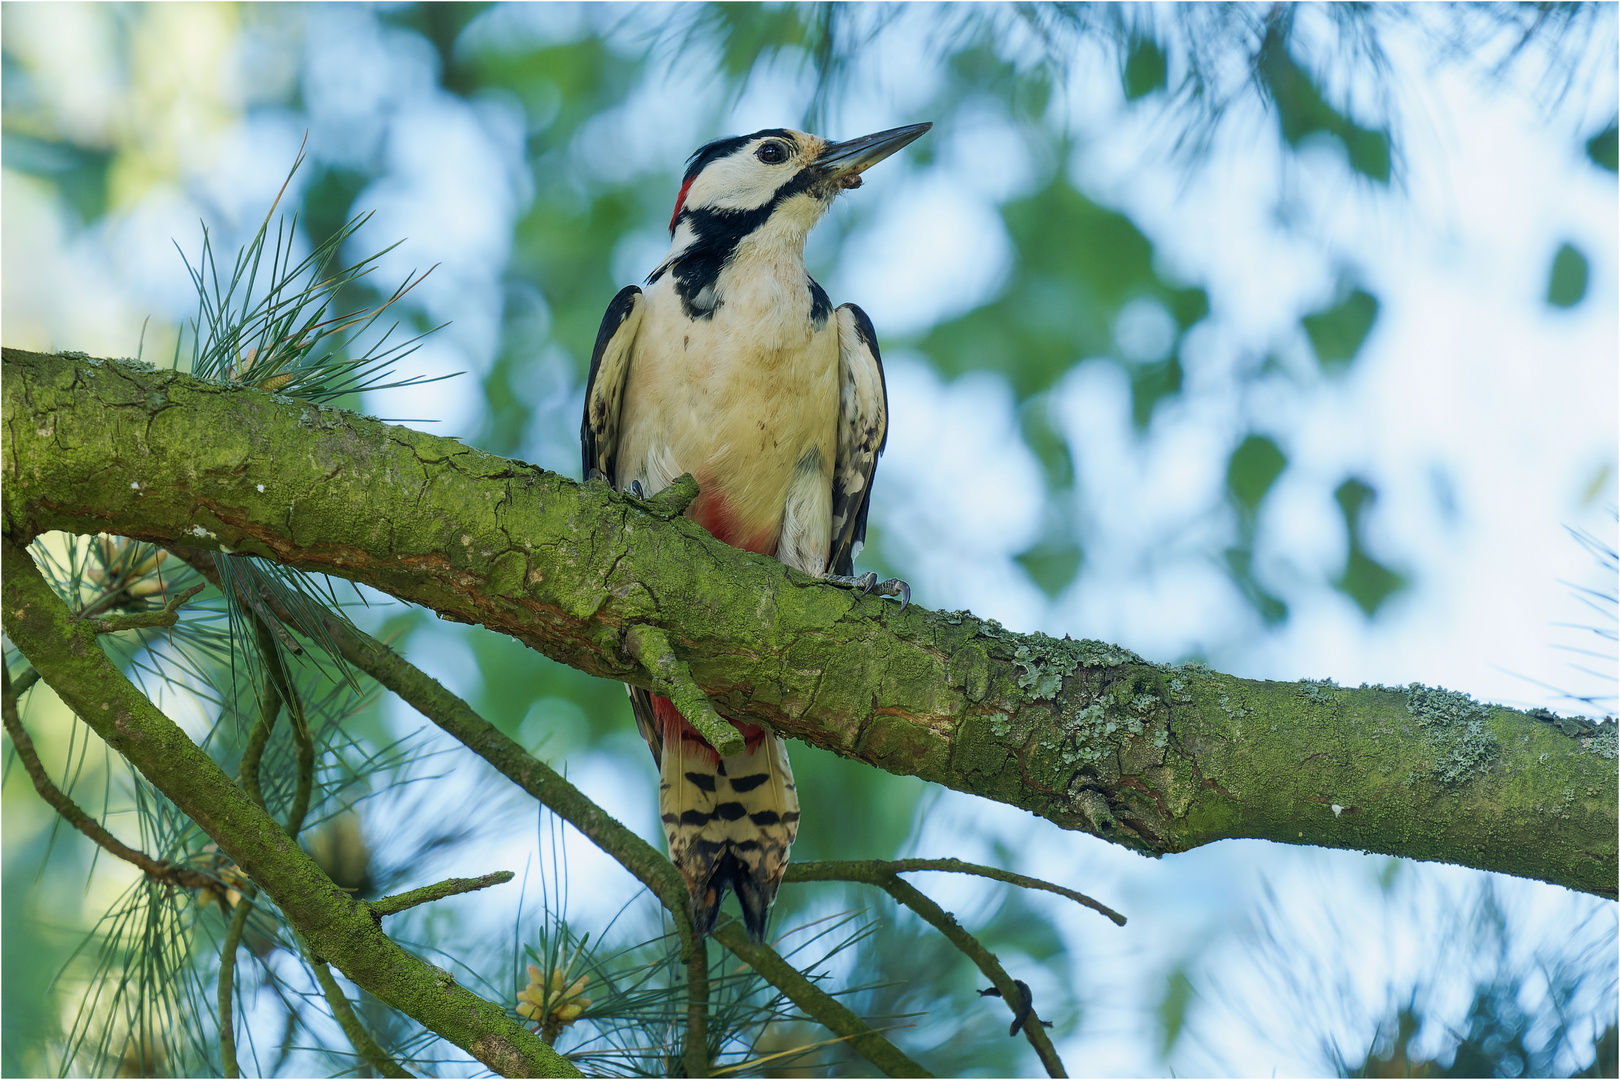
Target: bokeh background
x=1280, y=339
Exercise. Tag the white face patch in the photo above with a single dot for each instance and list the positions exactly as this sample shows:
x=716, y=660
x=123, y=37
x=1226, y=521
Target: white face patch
x=742, y=181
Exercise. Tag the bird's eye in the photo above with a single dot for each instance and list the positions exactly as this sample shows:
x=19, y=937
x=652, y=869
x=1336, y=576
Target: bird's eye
x=772, y=153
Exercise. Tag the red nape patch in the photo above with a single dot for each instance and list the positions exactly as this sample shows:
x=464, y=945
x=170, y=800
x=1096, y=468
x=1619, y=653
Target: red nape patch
x=711, y=511
x=680, y=201
x=672, y=725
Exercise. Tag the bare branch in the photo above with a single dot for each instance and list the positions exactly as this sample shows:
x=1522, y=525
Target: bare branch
x=841, y=871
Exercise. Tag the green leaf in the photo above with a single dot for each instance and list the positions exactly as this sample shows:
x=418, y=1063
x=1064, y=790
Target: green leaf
x=1253, y=468
x=1178, y=993
x=1151, y=384
x=1338, y=332
x=1240, y=565
x=1566, y=285
x=1052, y=564
x=1604, y=148
x=1365, y=580
x=1145, y=69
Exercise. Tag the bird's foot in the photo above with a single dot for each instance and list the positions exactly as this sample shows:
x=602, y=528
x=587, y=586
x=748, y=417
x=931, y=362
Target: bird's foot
x=868, y=583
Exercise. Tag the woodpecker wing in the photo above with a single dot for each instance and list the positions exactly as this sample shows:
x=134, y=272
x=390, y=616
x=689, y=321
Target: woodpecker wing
x=863, y=429
x=604, y=389
x=599, y=437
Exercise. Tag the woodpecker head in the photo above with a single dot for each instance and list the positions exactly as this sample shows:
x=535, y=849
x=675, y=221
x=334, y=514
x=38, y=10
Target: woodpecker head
x=787, y=178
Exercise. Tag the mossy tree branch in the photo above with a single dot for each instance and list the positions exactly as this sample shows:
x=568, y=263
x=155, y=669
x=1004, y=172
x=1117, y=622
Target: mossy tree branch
x=338, y=928
x=1085, y=734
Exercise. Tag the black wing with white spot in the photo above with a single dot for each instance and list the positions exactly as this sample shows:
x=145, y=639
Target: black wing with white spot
x=863, y=428
x=604, y=390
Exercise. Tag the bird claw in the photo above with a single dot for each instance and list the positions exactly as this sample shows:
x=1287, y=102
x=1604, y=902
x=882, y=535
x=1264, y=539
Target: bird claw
x=636, y=490
x=867, y=584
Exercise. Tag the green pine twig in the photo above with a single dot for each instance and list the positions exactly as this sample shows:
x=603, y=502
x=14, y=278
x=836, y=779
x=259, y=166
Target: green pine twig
x=359, y=1038
x=393, y=905
x=696, y=1048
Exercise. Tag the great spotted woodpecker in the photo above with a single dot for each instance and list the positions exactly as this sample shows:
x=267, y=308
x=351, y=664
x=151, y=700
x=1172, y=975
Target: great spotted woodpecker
x=733, y=365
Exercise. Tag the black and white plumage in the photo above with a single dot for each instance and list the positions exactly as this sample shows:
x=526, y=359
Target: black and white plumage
x=733, y=365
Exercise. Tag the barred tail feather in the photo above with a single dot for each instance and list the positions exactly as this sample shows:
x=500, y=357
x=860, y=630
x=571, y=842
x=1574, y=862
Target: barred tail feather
x=730, y=821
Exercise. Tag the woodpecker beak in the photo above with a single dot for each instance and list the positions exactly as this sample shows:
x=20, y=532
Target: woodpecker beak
x=844, y=162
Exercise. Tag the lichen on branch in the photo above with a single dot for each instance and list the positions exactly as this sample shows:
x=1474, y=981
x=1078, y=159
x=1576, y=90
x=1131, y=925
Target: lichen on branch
x=1088, y=735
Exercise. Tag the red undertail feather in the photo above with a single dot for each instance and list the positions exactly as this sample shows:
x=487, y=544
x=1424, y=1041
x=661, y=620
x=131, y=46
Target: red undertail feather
x=711, y=510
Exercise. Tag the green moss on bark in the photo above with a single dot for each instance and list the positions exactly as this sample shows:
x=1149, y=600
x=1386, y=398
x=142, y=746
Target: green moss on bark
x=1085, y=733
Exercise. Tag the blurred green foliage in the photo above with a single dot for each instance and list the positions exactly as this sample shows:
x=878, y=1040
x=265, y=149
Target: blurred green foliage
x=1338, y=331
x=1146, y=69
x=1251, y=471
x=1303, y=112
x=78, y=172
x=1604, y=148
x=1365, y=580
x=1566, y=283
x=1079, y=264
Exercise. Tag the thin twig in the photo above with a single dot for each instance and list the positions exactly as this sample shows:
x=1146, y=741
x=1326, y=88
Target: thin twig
x=167, y=615
x=156, y=869
x=305, y=744
x=258, y=738
x=359, y=1037
x=227, y=987
x=886, y=876
x=945, y=923
x=278, y=683
x=23, y=683
x=393, y=905
x=835, y=871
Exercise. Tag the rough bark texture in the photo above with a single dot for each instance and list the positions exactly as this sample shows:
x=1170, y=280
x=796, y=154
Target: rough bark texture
x=1088, y=735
